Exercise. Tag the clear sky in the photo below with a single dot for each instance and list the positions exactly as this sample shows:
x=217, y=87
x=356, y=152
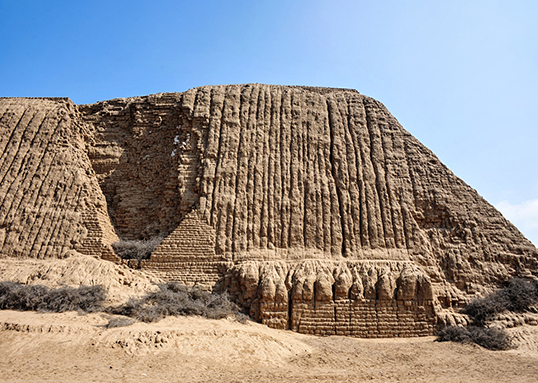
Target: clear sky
x=460, y=75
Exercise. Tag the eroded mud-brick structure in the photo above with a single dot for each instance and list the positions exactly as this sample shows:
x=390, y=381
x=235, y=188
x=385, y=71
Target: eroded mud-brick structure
x=312, y=207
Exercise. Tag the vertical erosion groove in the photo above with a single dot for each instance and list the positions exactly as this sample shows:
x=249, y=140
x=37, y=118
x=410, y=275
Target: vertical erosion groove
x=219, y=210
x=276, y=128
x=309, y=225
x=290, y=310
x=264, y=117
x=369, y=220
x=260, y=172
x=315, y=131
x=254, y=169
x=241, y=211
x=296, y=230
x=347, y=182
x=218, y=124
x=350, y=181
x=376, y=181
x=323, y=157
x=272, y=161
x=285, y=168
x=335, y=165
x=413, y=196
x=356, y=177
x=406, y=187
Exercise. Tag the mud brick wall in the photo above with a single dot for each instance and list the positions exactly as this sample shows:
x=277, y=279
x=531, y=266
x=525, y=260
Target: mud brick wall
x=205, y=275
x=188, y=255
x=364, y=318
x=359, y=298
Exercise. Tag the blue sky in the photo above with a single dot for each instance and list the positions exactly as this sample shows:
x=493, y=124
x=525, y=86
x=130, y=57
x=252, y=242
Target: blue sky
x=462, y=76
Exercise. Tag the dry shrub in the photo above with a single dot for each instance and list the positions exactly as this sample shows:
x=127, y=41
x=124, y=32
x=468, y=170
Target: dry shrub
x=176, y=299
x=120, y=321
x=171, y=299
x=518, y=295
x=136, y=249
x=490, y=338
x=481, y=310
x=521, y=295
x=15, y=296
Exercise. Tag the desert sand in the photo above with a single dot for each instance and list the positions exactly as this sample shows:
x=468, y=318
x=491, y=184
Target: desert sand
x=68, y=347
x=71, y=347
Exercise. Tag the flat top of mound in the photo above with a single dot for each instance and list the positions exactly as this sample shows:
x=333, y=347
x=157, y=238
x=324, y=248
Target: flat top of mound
x=39, y=98
x=315, y=89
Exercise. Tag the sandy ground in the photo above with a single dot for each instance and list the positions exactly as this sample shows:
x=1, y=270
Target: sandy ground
x=38, y=347
x=68, y=347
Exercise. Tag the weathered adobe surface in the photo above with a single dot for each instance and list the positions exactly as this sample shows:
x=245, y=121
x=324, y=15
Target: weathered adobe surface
x=51, y=202
x=313, y=207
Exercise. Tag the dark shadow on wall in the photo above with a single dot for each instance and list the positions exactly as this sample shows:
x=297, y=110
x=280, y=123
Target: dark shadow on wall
x=146, y=165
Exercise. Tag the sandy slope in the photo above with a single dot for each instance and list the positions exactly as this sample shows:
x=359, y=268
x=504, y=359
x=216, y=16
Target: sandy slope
x=121, y=282
x=72, y=348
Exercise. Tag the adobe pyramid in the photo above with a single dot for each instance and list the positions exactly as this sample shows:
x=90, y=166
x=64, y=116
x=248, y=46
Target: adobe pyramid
x=313, y=207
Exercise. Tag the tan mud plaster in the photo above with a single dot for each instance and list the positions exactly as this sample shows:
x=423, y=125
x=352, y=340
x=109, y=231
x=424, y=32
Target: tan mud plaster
x=313, y=207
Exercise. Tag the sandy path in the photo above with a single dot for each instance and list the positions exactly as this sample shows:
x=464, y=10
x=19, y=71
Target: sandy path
x=72, y=348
